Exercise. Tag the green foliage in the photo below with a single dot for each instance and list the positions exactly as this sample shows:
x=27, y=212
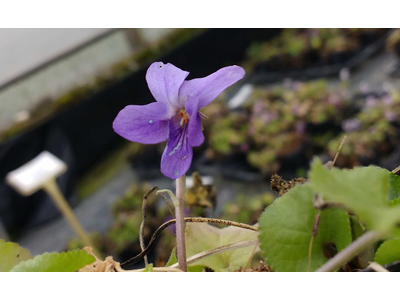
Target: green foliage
x=246, y=209
x=11, y=254
x=294, y=47
x=375, y=134
x=131, y=200
x=173, y=260
x=286, y=228
x=149, y=268
x=394, y=186
x=201, y=237
x=274, y=124
x=363, y=259
x=363, y=190
x=56, y=262
x=125, y=230
x=388, y=252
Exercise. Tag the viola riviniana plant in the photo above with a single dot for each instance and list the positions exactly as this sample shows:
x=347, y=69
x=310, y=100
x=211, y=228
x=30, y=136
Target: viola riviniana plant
x=175, y=115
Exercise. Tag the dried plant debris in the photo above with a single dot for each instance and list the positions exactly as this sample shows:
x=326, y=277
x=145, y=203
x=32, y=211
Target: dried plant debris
x=201, y=194
x=262, y=268
x=283, y=186
x=108, y=265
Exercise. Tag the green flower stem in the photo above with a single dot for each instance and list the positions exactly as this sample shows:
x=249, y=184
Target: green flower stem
x=351, y=251
x=180, y=223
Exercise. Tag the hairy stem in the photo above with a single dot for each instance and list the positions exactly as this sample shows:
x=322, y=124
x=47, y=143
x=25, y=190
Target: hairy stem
x=220, y=249
x=351, y=251
x=313, y=235
x=180, y=223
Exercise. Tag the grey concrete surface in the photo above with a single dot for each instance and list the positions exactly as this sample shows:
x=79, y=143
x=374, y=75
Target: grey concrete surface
x=25, y=49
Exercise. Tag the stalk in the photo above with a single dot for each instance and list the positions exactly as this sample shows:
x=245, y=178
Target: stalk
x=351, y=251
x=180, y=223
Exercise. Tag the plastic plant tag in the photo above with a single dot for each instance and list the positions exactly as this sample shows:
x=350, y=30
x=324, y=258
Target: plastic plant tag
x=241, y=96
x=31, y=177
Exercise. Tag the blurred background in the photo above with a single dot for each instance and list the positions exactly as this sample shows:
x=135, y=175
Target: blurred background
x=304, y=89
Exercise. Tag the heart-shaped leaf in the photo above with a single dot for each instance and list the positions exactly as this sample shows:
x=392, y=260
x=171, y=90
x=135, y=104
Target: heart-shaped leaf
x=286, y=229
x=11, y=254
x=363, y=190
x=201, y=237
x=56, y=262
x=388, y=252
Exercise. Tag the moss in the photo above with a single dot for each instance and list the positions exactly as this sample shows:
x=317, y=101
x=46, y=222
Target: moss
x=247, y=209
x=301, y=48
x=114, y=74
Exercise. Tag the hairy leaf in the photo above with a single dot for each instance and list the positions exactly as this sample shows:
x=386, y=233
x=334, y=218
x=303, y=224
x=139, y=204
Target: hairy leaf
x=388, y=252
x=201, y=237
x=286, y=228
x=363, y=190
x=362, y=259
x=56, y=262
x=394, y=186
x=11, y=254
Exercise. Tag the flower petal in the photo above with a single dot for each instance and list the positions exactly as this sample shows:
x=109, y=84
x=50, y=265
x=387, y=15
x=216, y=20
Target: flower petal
x=208, y=88
x=146, y=124
x=178, y=154
x=164, y=81
x=195, y=132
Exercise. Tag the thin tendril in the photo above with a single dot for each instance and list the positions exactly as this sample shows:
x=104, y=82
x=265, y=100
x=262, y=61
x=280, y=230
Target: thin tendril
x=157, y=233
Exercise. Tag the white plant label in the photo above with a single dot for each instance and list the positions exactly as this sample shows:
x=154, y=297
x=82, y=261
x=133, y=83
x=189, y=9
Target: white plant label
x=31, y=177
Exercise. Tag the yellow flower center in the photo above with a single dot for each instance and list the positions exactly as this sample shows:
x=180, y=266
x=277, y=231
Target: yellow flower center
x=184, y=116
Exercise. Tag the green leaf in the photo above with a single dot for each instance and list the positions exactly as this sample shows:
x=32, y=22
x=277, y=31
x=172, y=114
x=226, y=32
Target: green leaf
x=286, y=228
x=173, y=260
x=56, y=262
x=11, y=254
x=394, y=186
x=149, y=268
x=201, y=237
x=395, y=201
x=367, y=255
x=388, y=252
x=334, y=227
x=363, y=190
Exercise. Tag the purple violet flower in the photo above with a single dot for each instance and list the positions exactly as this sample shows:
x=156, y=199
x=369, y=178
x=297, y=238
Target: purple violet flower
x=350, y=125
x=391, y=116
x=175, y=115
x=387, y=100
x=300, y=127
x=371, y=102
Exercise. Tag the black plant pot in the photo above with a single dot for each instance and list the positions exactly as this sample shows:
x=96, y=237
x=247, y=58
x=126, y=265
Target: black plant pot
x=272, y=71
